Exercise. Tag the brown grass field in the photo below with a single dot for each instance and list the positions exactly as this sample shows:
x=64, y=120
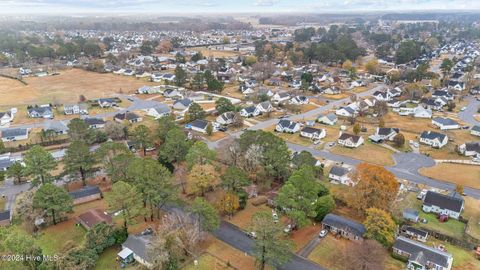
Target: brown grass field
x=66, y=87
x=368, y=152
x=215, y=53
x=466, y=175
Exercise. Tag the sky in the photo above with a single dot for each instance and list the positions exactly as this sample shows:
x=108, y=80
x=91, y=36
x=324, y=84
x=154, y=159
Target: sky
x=227, y=6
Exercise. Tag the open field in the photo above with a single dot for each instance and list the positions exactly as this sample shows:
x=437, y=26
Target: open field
x=66, y=87
x=466, y=175
x=368, y=152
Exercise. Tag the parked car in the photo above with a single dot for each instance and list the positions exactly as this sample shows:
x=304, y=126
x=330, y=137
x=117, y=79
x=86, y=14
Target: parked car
x=316, y=142
x=252, y=235
x=463, y=109
x=323, y=233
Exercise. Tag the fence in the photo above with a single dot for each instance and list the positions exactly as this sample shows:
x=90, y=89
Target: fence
x=14, y=78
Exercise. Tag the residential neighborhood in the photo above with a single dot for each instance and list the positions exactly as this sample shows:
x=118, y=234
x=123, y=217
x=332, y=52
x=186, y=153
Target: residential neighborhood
x=265, y=139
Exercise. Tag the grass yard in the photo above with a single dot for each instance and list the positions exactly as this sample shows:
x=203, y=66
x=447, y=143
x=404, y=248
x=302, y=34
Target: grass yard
x=466, y=175
x=472, y=212
x=243, y=217
x=54, y=239
x=368, y=152
x=208, y=261
x=462, y=259
x=452, y=227
x=2, y=203
x=337, y=97
x=406, y=200
x=66, y=87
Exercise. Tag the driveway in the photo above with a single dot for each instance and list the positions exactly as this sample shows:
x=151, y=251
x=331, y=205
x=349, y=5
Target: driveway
x=467, y=115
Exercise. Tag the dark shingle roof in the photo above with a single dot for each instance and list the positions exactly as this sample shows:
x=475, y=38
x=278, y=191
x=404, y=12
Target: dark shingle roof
x=416, y=231
x=387, y=131
x=344, y=224
x=85, y=191
x=338, y=170
x=138, y=244
x=431, y=135
x=5, y=215
x=13, y=132
x=311, y=130
x=199, y=123
x=413, y=248
x=452, y=203
x=94, y=121
x=345, y=136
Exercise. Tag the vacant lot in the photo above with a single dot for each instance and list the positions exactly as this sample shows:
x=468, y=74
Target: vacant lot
x=66, y=87
x=466, y=175
x=368, y=152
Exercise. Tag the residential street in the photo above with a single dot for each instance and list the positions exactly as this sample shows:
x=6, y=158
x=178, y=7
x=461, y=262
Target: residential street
x=467, y=115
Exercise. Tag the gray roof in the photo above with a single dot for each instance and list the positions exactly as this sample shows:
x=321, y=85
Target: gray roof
x=476, y=128
x=345, y=136
x=14, y=132
x=415, y=231
x=5, y=215
x=40, y=110
x=311, y=130
x=138, y=244
x=431, y=135
x=345, y=224
x=387, y=131
x=5, y=163
x=414, y=248
x=409, y=213
x=199, y=123
x=472, y=146
x=287, y=123
x=185, y=102
x=162, y=108
x=339, y=171
x=85, y=191
x=453, y=203
x=445, y=121
x=56, y=126
x=94, y=121
x=250, y=109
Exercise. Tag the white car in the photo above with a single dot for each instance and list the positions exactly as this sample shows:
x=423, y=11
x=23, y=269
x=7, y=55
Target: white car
x=323, y=233
x=252, y=235
x=463, y=109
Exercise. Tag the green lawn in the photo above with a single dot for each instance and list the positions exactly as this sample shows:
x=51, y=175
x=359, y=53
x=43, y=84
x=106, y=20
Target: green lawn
x=54, y=239
x=462, y=259
x=2, y=203
x=107, y=261
x=452, y=227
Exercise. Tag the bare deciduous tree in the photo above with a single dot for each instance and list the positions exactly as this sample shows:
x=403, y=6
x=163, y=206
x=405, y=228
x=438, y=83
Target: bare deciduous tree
x=366, y=255
x=263, y=70
x=253, y=158
x=184, y=230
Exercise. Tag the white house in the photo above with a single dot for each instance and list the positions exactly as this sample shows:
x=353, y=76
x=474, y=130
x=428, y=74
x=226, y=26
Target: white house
x=14, y=134
x=445, y=123
x=288, y=126
x=199, y=125
x=450, y=205
x=264, y=107
x=475, y=131
x=81, y=108
x=341, y=175
x=6, y=117
x=313, y=133
x=434, y=139
x=298, y=100
x=280, y=97
x=346, y=111
x=350, y=140
x=328, y=119
x=420, y=112
x=40, y=112
x=420, y=256
x=384, y=134
x=226, y=118
x=158, y=111
x=250, y=111
x=470, y=149
x=382, y=96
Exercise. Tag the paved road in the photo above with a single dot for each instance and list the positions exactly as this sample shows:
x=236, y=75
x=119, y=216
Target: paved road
x=10, y=191
x=467, y=115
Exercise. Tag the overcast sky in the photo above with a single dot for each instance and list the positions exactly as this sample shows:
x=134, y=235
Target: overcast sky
x=228, y=6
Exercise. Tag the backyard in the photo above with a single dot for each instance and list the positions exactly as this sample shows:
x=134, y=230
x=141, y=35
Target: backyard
x=368, y=152
x=452, y=227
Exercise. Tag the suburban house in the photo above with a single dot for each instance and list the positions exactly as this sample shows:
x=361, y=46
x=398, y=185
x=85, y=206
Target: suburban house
x=418, y=112
x=422, y=257
x=328, y=119
x=226, y=118
x=475, y=131
x=445, y=123
x=414, y=233
x=158, y=111
x=172, y=93
x=81, y=108
x=349, y=140
x=384, y=134
x=288, y=126
x=40, y=112
x=93, y=217
x=86, y=194
x=182, y=104
x=449, y=205
x=6, y=117
x=135, y=249
x=434, y=139
x=264, y=107
x=313, y=133
x=298, y=100
x=6, y=160
x=346, y=111
x=281, y=97
x=128, y=116
x=14, y=134
x=250, y=111
x=106, y=102
x=199, y=125
x=470, y=149
x=56, y=126
x=455, y=85
x=411, y=215
x=442, y=94
x=5, y=218
x=382, y=96
x=341, y=175
x=344, y=227
x=94, y=123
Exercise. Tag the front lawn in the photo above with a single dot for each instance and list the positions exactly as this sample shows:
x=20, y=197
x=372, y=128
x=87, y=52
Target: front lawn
x=466, y=175
x=368, y=152
x=452, y=227
x=207, y=262
x=55, y=238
